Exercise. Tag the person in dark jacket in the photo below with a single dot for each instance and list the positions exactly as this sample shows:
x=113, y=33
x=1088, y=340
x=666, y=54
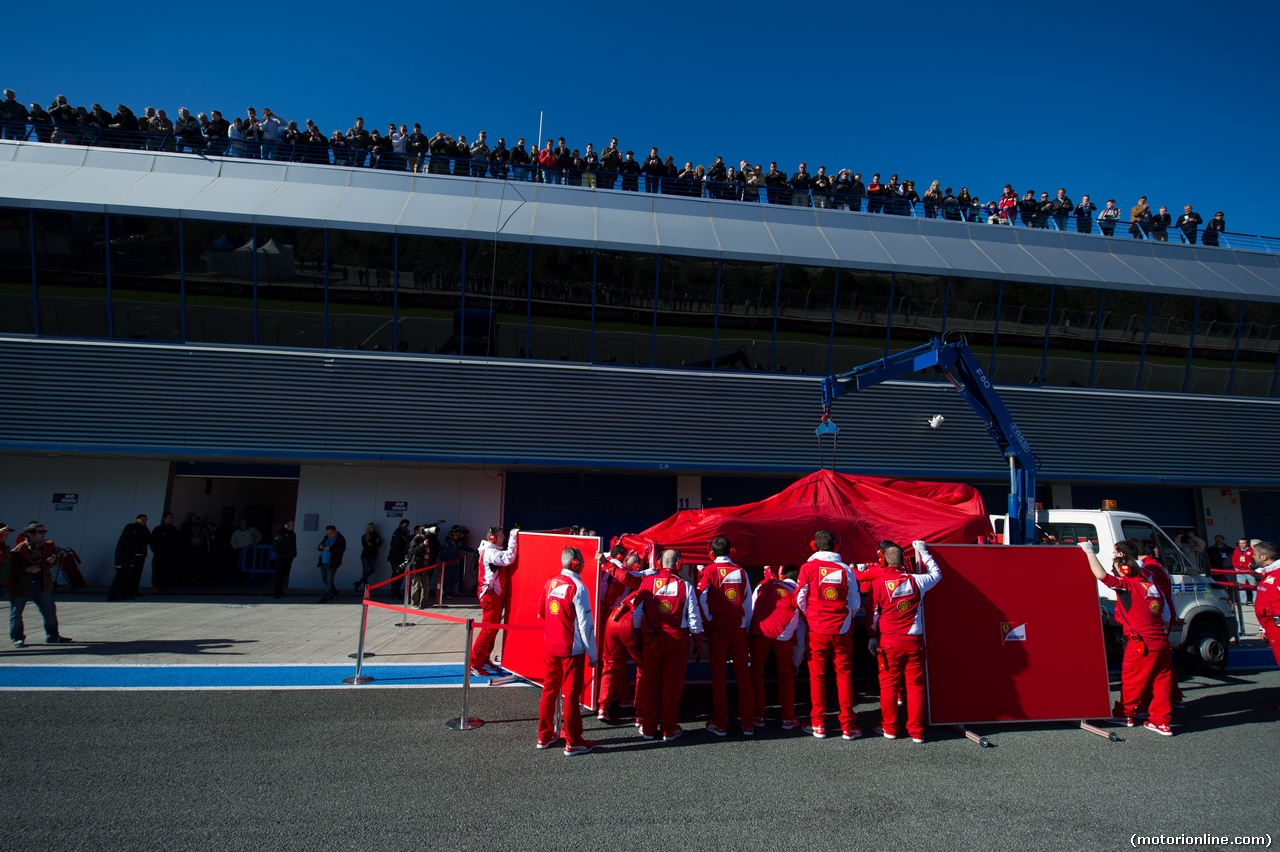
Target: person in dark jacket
x=166, y=544
x=140, y=558
x=370, y=542
x=131, y=549
x=284, y=547
x=13, y=115
x=630, y=171
x=1189, y=222
x=395, y=555
x=331, y=548
x=1217, y=225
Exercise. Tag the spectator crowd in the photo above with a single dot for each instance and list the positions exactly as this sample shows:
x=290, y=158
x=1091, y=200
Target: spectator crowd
x=268, y=136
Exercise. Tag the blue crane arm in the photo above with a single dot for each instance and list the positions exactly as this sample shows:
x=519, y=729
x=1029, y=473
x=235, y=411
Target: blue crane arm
x=955, y=361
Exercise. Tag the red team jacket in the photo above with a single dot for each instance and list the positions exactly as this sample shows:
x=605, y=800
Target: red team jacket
x=566, y=610
x=665, y=606
x=725, y=595
x=1140, y=607
x=1266, y=603
x=897, y=597
x=827, y=593
x=774, y=612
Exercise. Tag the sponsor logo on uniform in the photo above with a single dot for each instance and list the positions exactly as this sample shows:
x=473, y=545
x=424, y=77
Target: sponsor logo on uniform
x=664, y=606
x=782, y=593
x=829, y=594
x=555, y=607
x=734, y=576
x=900, y=589
x=560, y=590
x=1156, y=606
x=1011, y=632
x=723, y=572
x=831, y=575
x=667, y=590
x=903, y=606
x=731, y=593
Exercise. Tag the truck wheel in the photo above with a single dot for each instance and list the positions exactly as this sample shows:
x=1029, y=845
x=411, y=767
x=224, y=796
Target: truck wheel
x=1205, y=651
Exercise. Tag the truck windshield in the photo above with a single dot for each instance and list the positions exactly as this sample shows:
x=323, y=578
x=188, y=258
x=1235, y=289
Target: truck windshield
x=1066, y=533
x=1173, y=559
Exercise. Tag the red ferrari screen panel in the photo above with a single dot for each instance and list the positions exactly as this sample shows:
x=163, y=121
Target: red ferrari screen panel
x=537, y=560
x=1014, y=634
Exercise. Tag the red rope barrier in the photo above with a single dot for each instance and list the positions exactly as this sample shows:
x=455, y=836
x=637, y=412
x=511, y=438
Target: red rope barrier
x=452, y=619
x=403, y=574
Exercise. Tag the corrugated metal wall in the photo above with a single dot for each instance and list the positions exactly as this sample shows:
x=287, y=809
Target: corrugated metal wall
x=210, y=402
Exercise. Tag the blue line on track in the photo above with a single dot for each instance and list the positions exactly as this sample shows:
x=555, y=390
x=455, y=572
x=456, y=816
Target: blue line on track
x=223, y=676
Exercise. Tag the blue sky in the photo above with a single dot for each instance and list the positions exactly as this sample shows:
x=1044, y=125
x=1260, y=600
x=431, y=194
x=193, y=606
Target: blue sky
x=1174, y=100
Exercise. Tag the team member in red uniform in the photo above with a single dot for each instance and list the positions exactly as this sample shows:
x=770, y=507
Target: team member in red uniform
x=776, y=628
x=1242, y=562
x=667, y=615
x=897, y=625
x=620, y=644
x=1147, y=671
x=491, y=558
x=569, y=640
x=827, y=594
x=1266, y=605
x=1154, y=568
x=724, y=594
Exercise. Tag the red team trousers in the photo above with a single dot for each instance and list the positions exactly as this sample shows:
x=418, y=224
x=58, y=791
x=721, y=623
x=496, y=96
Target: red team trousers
x=722, y=643
x=664, y=664
x=619, y=647
x=1147, y=678
x=491, y=609
x=564, y=675
x=824, y=647
x=1269, y=629
x=902, y=664
x=761, y=647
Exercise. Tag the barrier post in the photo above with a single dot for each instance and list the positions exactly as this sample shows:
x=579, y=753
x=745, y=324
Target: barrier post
x=465, y=722
x=404, y=617
x=440, y=586
x=361, y=653
x=359, y=678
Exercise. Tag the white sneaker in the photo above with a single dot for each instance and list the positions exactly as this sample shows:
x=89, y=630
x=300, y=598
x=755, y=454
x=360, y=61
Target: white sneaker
x=716, y=729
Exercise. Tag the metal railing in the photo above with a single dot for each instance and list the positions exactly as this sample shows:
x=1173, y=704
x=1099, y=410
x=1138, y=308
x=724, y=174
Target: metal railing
x=632, y=178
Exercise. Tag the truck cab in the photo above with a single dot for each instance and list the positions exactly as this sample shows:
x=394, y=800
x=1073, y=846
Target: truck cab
x=1204, y=607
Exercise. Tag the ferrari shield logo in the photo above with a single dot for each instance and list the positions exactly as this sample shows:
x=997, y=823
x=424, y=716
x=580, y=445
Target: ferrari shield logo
x=1013, y=632
x=723, y=572
x=891, y=585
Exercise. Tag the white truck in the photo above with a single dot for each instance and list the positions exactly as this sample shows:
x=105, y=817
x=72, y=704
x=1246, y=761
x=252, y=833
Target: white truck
x=1204, y=607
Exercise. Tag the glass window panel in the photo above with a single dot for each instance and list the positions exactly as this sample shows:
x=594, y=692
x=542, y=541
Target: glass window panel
x=686, y=312
x=1216, y=332
x=429, y=295
x=805, y=303
x=1168, y=343
x=1024, y=320
x=17, y=308
x=218, y=267
x=1120, y=337
x=361, y=290
x=560, y=303
x=498, y=288
x=71, y=273
x=747, y=296
x=918, y=310
x=290, y=267
x=862, y=318
x=145, y=279
x=624, y=308
x=1071, y=336
x=1259, y=343
x=972, y=304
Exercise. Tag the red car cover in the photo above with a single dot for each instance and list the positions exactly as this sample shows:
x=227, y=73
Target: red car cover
x=861, y=511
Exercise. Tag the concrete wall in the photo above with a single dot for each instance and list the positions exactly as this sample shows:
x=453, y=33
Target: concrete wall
x=351, y=497
x=111, y=493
